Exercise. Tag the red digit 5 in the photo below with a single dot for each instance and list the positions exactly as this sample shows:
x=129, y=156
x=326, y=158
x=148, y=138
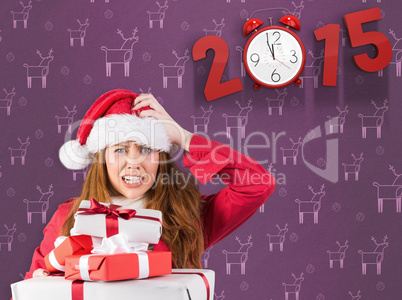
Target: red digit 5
x=358, y=38
x=214, y=89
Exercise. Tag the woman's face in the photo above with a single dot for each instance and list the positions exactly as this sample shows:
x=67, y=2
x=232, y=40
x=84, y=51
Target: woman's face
x=131, y=168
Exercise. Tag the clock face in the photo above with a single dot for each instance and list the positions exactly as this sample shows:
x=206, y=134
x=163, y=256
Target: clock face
x=274, y=56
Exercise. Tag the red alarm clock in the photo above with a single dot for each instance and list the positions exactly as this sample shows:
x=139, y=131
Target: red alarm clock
x=274, y=56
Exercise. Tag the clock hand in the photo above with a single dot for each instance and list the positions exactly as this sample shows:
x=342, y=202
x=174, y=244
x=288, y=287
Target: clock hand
x=280, y=62
x=271, y=49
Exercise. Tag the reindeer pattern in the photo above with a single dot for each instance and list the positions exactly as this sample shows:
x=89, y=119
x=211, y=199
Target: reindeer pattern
x=109, y=43
x=390, y=192
x=122, y=55
x=339, y=120
x=313, y=70
x=217, y=30
x=374, y=258
x=353, y=168
x=23, y=15
x=158, y=16
x=202, y=120
x=239, y=121
x=41, y=70
x=279, y=238
x=376, y=121
x=291, y=152
x=20, y=152
x=66, y=121
x=312, y=206
x=39, y=206
x=177, y=70
x=278, y=102
x=7, y=101
x=238, y=257
x=396, y=55
x=78, y=34
x=339, y=255
x=7, y=239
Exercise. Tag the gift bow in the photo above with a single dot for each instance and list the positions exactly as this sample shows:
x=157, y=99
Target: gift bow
x=97, y=208
x=118, y=243
x=112, y=215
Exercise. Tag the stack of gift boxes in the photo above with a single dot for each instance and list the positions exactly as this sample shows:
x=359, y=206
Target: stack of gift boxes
x=106, y=256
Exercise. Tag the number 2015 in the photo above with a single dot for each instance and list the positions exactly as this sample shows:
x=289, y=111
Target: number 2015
x=215, y=89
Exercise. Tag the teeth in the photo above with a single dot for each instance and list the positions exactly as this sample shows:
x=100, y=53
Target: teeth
x=132, y=179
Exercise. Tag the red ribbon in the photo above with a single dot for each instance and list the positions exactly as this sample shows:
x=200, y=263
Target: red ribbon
x=77, y=290
x=203, y=278
x=112, y=215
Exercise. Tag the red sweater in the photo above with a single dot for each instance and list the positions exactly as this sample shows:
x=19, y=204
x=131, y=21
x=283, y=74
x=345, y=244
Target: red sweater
x=249, y=186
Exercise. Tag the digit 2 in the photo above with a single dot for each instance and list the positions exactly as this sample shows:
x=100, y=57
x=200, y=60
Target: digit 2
x=214, y=89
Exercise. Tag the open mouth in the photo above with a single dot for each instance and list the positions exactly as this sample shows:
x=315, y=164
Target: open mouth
x=132, y=179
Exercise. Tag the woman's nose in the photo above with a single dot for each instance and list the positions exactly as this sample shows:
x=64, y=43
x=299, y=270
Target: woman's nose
x=134, y=159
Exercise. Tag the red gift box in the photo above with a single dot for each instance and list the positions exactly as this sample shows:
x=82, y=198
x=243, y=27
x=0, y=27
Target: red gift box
x=72, y=245
x=109, y=267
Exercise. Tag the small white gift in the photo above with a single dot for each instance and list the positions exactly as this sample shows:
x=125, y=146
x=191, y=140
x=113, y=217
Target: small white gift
x=105, y=220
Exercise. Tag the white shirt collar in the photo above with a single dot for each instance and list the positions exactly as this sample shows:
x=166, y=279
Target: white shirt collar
x=136, y=203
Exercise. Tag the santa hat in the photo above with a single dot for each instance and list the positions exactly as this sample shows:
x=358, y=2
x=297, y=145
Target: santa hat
x=110, y=121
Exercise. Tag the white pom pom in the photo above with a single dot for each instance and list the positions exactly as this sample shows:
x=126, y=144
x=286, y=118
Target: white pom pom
x=74, y=156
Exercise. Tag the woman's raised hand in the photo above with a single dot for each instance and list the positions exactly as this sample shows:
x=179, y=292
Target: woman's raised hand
x=40, y=273
x=177, y=135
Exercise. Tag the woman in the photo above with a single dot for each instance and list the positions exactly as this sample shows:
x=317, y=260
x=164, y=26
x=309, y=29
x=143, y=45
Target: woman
x=132, y=166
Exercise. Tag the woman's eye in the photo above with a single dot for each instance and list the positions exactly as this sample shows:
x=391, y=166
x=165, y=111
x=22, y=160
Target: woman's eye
x=120, y=150
x=146, y=150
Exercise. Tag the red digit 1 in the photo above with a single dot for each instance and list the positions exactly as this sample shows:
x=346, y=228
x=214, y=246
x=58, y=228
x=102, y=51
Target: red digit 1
x=354, y=23
x=329, y=33
x=214, y=89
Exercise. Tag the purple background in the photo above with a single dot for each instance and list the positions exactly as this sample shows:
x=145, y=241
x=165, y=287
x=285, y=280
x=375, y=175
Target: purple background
x=349, y=209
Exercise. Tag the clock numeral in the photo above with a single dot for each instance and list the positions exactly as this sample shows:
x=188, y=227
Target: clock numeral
x=214, y=89
x=271, y=48
x=279, y=36
x=275, y=77
x=294, y=55
x=255, y=61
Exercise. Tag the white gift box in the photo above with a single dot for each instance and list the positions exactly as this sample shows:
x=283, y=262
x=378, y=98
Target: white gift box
x=144, y=227
x=184, y=284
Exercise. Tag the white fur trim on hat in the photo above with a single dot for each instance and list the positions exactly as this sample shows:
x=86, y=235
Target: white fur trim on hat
x=75, y=156
x=118, y=128
x=115, y=129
